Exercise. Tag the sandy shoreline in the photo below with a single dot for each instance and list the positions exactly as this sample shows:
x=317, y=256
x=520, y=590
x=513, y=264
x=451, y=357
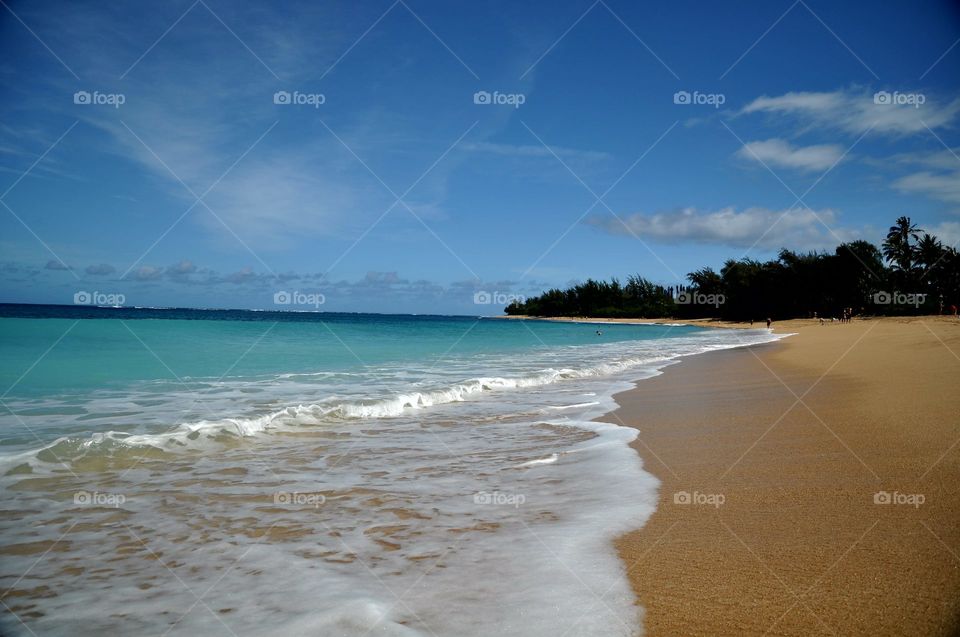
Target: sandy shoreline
x=700, y=322
x=782, y=449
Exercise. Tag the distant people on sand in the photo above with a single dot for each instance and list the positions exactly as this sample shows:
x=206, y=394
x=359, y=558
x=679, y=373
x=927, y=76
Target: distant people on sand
x=769, y=321
x=846, y=316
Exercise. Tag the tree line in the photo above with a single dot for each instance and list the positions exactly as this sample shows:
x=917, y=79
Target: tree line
x=912, y=272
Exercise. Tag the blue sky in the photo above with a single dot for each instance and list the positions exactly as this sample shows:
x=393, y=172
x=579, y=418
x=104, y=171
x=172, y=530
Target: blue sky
x=182, y=182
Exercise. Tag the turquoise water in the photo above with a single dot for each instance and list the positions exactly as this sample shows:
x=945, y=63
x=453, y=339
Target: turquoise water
x=68, y=353
x=298, y=474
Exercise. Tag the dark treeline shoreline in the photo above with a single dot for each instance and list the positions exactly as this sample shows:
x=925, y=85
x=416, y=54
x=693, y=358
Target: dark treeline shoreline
x=912, y=273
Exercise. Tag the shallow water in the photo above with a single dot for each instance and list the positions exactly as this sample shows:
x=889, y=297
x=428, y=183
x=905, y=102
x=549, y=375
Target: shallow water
x=355, y=476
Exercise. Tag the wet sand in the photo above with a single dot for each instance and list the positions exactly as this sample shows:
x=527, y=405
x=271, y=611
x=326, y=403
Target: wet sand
x=777, y=463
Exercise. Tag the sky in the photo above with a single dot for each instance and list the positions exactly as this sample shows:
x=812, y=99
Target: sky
x=418, y=156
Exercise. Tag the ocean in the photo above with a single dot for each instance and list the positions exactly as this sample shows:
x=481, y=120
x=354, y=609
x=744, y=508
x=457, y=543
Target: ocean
x=233, y=472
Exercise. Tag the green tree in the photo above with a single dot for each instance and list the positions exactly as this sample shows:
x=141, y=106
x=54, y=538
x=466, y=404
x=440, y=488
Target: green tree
x=859, y=272
x=792, y=285
x=900, y=250
x=706, y=281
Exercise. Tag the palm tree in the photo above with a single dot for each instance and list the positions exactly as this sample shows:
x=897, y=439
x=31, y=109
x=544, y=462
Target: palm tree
x=929, y=252
x=897, y=247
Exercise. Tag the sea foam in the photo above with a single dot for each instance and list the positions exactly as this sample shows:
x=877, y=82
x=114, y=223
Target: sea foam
x=406, y=502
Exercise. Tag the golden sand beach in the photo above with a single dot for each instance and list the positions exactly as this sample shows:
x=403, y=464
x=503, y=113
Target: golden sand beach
x=809, y=487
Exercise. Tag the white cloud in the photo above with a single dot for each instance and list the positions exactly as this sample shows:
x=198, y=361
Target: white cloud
x=931, y=174
x=942, y=186
x=202, y=105
x=752, y=227
x=856, y=111
x=274, y=194
x=946, y=159
x=778, y=152
x=936, y=175
x=948, y=232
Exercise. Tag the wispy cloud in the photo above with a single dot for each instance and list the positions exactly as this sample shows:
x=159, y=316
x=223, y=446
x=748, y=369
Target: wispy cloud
x=948, y=232
x=939, y=178
x=196, y=104
x=854, y=111
x=943, y=186
x=758, y=227
x=780, y=153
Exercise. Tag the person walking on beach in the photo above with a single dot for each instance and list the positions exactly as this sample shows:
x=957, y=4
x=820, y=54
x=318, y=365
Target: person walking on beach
x=769, y=321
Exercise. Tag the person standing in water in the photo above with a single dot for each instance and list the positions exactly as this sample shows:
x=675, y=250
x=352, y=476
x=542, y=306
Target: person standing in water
x=769, y=321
